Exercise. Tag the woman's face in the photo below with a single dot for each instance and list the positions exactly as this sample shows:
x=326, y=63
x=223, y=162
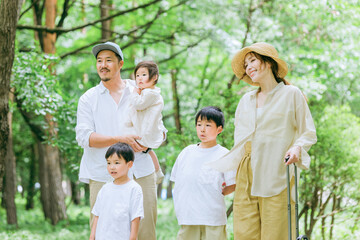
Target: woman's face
x=255, y=68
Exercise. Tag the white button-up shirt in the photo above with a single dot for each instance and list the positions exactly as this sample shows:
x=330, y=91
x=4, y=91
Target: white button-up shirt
x=285, y=121
x=98, y=112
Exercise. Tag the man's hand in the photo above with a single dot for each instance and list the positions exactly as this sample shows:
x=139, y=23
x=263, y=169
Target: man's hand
x=131, y=140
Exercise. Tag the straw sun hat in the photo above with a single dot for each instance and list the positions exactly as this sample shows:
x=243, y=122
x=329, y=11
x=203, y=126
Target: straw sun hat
x=261, y=48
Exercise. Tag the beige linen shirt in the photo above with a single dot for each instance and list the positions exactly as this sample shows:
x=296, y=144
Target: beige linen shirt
x=285, y=122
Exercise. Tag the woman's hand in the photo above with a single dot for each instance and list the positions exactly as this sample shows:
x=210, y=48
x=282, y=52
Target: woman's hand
x=293, y=154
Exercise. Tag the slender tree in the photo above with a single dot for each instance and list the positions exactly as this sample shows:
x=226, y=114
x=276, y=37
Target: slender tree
x=9, y=12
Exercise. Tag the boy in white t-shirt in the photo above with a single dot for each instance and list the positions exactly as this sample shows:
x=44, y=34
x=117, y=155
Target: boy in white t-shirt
x=199, y=191
x=119, y=204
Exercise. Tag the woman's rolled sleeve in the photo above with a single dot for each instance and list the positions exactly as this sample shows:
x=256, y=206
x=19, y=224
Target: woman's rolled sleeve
x=305, y=130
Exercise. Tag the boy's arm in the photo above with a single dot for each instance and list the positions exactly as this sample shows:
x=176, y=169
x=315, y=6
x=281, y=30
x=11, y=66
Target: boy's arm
x=134, y=228
x=93, y=228
x=228, y=189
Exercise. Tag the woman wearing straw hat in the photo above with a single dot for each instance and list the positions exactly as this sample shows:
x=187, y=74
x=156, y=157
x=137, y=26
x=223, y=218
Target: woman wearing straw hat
x=271, y=123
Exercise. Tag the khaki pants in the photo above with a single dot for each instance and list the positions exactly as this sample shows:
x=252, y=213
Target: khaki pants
x=148, y=223
x=94, y=187
x=201, y=232
x=259, y=218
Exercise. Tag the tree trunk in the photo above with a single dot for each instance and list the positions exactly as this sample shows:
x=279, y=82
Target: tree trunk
x=176, y=100
x=32, y=178
x=169, y=190
x=50, y=38
x=105, y=6
x=52, y=194
x=9, y=12
x=10, y=176
x=332, y=223
x=75, y=193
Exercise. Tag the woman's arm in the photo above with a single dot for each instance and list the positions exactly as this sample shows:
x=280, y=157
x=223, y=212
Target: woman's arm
x=306, y=133
x=134, y=228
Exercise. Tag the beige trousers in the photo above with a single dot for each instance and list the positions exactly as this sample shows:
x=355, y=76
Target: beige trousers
x=148, y=223
x=201, y=232
x=259, y=218
x=94, y=187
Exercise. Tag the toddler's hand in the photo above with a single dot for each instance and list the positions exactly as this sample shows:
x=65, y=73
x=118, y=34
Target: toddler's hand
x=137, y=90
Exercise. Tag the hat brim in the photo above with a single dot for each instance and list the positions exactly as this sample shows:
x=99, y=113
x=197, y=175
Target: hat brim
x=237, y=63
x=100, y=47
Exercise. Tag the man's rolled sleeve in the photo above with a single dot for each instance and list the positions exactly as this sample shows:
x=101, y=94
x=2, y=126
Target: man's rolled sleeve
x=85, y=124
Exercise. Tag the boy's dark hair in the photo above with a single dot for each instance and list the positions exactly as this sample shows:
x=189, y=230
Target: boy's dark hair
x=151, y=67
x=211, y=113
x=122, y=150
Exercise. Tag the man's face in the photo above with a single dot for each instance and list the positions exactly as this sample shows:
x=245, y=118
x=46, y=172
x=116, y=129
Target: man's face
x=108, y=65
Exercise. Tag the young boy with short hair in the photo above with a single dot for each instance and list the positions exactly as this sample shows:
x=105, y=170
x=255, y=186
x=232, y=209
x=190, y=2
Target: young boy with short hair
x=199, y=191
x=119, y=204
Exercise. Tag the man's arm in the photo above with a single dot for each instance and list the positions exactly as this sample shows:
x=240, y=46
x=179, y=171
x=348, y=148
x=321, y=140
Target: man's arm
x=99, y=141
x=134, y=228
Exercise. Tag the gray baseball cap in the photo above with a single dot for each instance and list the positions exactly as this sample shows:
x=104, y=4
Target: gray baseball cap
x=107, y=46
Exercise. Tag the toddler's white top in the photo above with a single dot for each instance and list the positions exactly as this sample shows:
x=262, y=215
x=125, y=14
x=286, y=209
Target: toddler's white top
x=146, y=118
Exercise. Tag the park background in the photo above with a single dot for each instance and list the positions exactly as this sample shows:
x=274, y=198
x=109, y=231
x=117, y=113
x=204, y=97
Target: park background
x=193, y=43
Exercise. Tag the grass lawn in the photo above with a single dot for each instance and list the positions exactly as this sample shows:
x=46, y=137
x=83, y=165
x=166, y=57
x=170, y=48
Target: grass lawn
x=33, y=226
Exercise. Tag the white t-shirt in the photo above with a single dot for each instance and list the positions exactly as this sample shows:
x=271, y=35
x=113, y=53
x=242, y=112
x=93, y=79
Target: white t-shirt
x=197, y=193
x=117, y=206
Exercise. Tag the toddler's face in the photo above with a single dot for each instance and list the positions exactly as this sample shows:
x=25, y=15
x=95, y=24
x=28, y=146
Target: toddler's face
x=142, y=79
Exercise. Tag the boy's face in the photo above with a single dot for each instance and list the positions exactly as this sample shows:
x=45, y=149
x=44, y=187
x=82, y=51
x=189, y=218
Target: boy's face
x=207, y=130
x=118, y=167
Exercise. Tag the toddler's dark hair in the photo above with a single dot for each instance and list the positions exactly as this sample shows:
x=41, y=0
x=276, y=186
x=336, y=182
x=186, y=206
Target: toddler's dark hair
x=151, y=67
x=122, y=150
x=211, y=113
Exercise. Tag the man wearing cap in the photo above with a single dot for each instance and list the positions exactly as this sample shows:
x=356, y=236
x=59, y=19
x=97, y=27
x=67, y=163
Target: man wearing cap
x=101, y=116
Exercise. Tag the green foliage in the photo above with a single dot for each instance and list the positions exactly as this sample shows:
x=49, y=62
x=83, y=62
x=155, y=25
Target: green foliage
x=39, y=91
x=334, y=169
x=34, y=84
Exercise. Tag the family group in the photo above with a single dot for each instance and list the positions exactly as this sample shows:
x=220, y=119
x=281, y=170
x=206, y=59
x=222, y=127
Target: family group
x=119, y=123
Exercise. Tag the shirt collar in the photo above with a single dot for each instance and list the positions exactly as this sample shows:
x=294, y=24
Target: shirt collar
x=272, y=92
x=275, y=89
x=102, y=88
